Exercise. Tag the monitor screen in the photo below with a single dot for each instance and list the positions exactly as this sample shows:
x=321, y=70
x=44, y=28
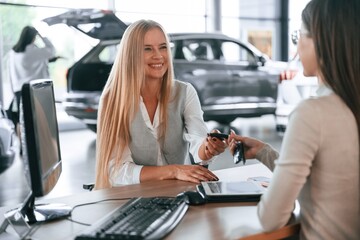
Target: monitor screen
x=40, y=138
x=41, y=152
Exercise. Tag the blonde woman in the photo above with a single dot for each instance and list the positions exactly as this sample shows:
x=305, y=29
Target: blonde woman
x=149, y=123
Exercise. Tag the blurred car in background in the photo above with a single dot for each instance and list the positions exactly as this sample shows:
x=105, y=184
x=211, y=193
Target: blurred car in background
x=294, y=87
x=7, y=141
x=232, y=78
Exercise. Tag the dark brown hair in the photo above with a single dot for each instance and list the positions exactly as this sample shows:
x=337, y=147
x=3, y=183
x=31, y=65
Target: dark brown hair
x=27, y=36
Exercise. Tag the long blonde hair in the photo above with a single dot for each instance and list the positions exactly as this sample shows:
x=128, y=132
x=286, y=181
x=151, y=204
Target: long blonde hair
x=120, y=99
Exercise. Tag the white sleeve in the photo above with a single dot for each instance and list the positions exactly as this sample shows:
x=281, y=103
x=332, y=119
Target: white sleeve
x=49, y=46
x=195, y=127
x=46, y=52
x=298, y=149
x=129, y=173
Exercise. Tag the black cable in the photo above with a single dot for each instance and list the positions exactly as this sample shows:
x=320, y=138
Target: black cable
x=80, y=223
x=96, y=202
x=90, y=203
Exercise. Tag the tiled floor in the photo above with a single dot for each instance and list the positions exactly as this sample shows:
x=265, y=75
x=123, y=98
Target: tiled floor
x=78, y=155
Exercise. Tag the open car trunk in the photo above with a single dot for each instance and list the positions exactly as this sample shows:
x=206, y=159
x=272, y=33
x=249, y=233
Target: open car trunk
x=91, y=71
x=99, y=24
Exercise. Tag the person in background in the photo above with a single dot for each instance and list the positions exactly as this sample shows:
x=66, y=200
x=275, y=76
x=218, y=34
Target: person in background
x=319, y=159
x=150, y=125
x=27, y=62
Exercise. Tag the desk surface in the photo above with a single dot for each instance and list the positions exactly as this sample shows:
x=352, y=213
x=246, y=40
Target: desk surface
x=209, y=221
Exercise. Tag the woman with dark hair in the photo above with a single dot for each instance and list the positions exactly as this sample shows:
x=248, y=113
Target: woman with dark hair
x=319, y=158
x=28, y=62
x=27, y=37
x=149, y=124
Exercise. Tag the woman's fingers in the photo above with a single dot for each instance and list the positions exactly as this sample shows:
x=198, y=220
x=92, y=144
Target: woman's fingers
x=195, y=174
x=215, y=146
x=203, y=174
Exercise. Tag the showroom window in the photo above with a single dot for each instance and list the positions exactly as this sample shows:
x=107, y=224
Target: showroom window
x=175, y=16
x=240, y=19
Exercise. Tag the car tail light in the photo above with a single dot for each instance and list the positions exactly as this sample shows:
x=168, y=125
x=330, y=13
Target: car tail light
x=105, y=11
x=89, y=110
x=287, y=74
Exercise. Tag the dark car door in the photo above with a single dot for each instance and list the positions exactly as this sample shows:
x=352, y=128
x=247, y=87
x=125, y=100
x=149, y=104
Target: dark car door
x=198, y=62
x=252, y=85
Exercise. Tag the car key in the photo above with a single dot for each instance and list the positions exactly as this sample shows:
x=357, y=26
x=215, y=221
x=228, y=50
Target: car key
x=221, y=136
x=239, y=153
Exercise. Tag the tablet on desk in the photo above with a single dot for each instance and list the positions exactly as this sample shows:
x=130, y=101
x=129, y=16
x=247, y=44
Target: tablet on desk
x=239, y=191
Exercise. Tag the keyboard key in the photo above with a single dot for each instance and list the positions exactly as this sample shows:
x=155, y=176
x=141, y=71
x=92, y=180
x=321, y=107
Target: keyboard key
x=139, y=218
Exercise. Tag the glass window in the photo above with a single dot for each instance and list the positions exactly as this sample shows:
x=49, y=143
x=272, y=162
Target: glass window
x=175, y=16
x=295, y=10
x=199, y=49
x=233, y=52
x=108, y=54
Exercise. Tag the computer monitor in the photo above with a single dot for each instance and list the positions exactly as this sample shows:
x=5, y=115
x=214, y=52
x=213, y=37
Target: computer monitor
x=41, y=149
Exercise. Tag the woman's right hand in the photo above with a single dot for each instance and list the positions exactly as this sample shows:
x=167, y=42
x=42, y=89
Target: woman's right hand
x=193, y=173
x=251, y=145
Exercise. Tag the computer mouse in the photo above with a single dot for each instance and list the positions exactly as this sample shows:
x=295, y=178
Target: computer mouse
x=192, y=198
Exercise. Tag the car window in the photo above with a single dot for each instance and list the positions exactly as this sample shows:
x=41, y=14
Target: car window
x=198, y=49
x=102, y=54
x=108, y=54
x=172, y=48
x=235, y=53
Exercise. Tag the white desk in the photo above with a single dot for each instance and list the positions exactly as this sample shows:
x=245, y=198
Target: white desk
x=242, y=173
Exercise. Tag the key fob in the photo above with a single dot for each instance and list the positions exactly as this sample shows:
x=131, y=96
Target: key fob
x=239, y=153
x=220, y=136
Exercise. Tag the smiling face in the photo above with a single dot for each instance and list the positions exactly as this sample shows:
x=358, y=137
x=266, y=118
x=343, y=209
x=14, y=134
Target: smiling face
x=155, y=54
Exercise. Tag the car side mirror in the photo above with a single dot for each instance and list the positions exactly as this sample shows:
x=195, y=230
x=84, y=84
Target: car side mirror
x=262, y=61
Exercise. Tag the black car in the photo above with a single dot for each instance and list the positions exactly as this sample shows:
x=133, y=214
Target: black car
x=232, y=78
x=7, y=141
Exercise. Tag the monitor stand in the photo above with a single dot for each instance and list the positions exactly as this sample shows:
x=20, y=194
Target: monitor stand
x=21, y=218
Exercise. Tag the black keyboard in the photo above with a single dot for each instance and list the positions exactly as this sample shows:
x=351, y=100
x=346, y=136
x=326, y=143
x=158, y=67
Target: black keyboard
x=139, y=218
